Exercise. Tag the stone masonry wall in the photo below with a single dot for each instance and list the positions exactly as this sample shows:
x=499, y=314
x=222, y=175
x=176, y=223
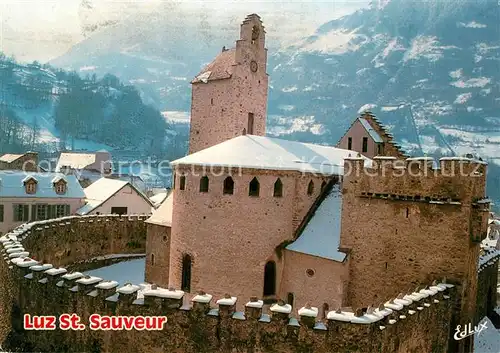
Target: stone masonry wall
x=231, y=237
x=70, y=240
x=158, y=248
x=408, y=224
x=487, y=284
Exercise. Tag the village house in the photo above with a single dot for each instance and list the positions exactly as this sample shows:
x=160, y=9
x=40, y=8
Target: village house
x=27, y=162
x=26, y=197
x=114, y=196
x=369, y=137
x=87, y=167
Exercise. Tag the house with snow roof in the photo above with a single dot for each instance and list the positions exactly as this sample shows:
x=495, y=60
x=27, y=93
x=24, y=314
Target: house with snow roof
x=27, y=162
x=86, y=166
x=369, y=137
x=114, y=196
x=26, y=197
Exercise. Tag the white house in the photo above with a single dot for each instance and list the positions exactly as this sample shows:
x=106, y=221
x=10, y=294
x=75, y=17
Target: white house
x=88, y=167
x=114, y=196
x=26, y=197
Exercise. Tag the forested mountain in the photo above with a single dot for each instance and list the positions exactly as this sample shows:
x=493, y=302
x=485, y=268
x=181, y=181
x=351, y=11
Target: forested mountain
x=42, y=106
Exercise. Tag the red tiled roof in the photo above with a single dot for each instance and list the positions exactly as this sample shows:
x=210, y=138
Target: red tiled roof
x=219, y=69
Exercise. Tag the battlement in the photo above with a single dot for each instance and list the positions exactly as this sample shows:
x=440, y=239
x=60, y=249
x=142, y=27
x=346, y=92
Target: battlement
x=196, y=324
x=489, y=258
x=452, y=181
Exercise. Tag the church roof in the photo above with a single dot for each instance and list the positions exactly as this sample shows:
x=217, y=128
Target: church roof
x=259, y=152
x=321, y=236
x=163, y=215
x=220, y=68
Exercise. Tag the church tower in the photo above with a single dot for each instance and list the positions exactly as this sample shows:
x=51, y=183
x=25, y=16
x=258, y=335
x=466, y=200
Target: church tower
x=229, y=96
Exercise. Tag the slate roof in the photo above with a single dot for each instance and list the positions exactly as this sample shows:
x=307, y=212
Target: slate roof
x=220, y=68
x=12, y=185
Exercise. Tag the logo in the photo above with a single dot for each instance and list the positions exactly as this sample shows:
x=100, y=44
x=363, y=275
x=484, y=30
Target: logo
x=468, y=331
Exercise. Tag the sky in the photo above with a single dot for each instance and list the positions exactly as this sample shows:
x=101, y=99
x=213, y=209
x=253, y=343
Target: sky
x=44, y=29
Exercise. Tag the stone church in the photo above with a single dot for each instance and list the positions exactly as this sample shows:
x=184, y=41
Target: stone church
x=254, y=216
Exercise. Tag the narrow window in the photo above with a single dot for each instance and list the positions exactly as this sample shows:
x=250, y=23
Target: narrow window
x=386, y=265
x=250, y=124
x=278, y=188
x=310, y=188
x=1, y=213
x=380, y=149
x=254, y=188
x=290, y=298
x=349, y=143
x=365, y=144
x=41, y=212
x=152, y=259
x=407, y=212
x=204, y=184
x=182, y=182
x=228, y=186
x=270, y=278
x=186, y=273
x=212, y=101
x=323, y=185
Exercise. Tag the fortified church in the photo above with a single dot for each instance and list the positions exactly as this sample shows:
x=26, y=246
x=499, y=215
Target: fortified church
x=263, y=217
x=301, y=247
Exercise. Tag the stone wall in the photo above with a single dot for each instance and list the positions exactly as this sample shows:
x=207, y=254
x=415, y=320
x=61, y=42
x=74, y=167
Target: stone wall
x=65, y=242
x=28, y=162
x=219, y=231
x=158, y=254
x=409, y=224
x=487, y=283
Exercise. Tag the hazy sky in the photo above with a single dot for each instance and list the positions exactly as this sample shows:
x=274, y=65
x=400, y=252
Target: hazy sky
x=44, y=29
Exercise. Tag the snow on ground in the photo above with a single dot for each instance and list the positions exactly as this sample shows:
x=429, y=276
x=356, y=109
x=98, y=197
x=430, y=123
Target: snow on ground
x=366, y=107
x=426, y=47
x=472, y=24
x=284, y=125
x=88, y=68
x=484, y=48
x=289, y=89
x=335, y=42
x=463, y=98
x=127, y=271
x=177, y=117
x=457, y=73
x=472, y=82
x=488, y=340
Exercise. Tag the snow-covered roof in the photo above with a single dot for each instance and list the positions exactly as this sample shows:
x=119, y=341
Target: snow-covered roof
x=75, y=160
x=9, y=158
x=321, y=236
x=158, y=199
x=259, y=152
x=102, y=190
x=371, y=131
x=163, y=215
x=11, y=185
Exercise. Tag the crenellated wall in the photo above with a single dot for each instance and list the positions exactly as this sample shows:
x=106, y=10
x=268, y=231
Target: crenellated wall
x=487, y=283
x=409, y=223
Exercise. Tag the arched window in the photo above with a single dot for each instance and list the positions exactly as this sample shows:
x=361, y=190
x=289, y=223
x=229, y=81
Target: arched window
x=152, y=259
x=204, y=184
x=182, y=182
x=254, y=188
x=323, y=185
x=186, y=273
x=278, y=188
x=310, y=188
x=228, y=186
x=270, y=278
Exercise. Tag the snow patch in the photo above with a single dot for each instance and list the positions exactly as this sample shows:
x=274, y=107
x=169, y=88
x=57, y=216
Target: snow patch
x=88, y=68
x=472, y=24
x=366, y=107
x=177, y=117
x=484, y=48
x=457, y=73
x=286, y=108
x=289, y=89
x=426, y=47
x=463, y=98
x=472, y=82
x=488, y=340
x=335, y=42
x=390, y=109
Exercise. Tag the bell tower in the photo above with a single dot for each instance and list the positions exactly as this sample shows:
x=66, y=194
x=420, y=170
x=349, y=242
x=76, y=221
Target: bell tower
x=229, y=96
